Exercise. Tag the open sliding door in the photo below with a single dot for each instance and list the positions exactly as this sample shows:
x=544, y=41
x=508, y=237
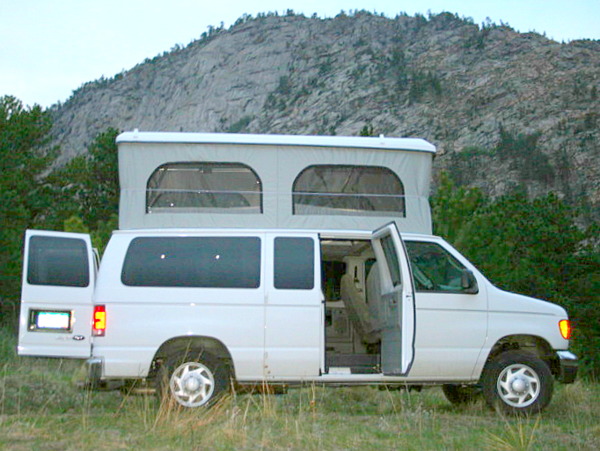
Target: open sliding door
x=398, y=301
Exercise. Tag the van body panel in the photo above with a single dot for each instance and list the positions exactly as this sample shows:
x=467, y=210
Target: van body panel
x=136, y=331
x=515, y=314
x=293, y=345
x=56, y=296
x=145, y=317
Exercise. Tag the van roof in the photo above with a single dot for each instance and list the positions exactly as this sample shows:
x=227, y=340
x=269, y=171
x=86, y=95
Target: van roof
x=380, y=142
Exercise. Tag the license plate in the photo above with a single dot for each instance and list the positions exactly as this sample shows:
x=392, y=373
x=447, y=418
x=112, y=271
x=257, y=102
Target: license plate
x=50, y=321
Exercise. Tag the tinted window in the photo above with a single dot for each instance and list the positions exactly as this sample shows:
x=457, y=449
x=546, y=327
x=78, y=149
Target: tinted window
x=294, y=263
x=391, y=257
x=209, y=262
x=58, y=261
x=433, y=268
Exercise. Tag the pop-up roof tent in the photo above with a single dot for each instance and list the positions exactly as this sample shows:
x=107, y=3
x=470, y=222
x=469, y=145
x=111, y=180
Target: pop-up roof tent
x=181, y=180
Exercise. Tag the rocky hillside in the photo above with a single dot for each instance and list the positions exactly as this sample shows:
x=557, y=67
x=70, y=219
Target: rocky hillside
x=503, y=108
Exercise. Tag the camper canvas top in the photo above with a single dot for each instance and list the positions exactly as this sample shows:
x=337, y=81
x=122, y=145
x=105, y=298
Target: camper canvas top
x=215, y=180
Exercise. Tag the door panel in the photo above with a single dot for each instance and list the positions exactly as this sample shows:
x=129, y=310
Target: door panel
x=452, y=319
x=56, y=295
x=294, y=307
x=397, y=294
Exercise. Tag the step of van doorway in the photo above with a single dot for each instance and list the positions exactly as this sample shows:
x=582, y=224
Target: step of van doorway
x=353, y=364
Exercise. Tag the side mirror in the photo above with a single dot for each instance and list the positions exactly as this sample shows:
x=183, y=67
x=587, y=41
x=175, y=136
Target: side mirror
x=468, y=282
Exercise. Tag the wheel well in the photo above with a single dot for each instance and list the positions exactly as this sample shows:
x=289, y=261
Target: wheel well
x=527, y=343
x=181, y=344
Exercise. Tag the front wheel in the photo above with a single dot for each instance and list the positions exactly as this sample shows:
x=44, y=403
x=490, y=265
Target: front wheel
x=517, y=382
x=192, y=379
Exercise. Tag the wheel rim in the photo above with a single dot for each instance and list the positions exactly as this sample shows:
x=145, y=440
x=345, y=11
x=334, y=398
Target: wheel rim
x=518, y=385
x=192, y=384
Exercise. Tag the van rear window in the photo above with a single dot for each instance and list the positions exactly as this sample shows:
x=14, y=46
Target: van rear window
x=58, y=261
x=204, y=262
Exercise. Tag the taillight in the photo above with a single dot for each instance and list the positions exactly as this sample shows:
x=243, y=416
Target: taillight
x=99, y=321
x=565, y=328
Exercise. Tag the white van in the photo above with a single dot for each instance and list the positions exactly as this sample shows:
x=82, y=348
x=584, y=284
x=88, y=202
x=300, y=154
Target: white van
x=192, y=309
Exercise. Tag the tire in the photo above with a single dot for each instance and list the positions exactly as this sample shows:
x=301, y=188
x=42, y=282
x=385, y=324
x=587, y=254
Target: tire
x=461, y=394
x=192, y=379
x=517, y=382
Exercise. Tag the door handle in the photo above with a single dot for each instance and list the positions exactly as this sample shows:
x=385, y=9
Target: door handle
x=78, y=337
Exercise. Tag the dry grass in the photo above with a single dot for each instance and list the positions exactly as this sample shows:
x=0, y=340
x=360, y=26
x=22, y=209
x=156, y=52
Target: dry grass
x=41, y=407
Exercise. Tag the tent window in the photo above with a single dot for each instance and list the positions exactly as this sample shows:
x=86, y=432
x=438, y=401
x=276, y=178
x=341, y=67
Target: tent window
x=348, y=190
x=198, y=187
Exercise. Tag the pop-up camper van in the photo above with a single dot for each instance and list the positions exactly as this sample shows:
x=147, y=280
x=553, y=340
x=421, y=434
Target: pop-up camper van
x=248, y=259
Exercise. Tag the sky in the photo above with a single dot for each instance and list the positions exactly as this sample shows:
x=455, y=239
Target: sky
x=49, y=48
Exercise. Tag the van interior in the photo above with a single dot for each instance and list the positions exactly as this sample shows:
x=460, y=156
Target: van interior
x=352, y=302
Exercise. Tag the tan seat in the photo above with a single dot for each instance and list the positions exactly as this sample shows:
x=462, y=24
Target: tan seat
x=374, y=296
x=358, y=310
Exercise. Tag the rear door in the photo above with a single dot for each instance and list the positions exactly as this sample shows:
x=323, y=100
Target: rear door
x=56, y=297
x=398, y=301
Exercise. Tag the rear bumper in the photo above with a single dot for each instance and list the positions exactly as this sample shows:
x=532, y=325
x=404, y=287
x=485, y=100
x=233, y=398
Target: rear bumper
x=568, y=366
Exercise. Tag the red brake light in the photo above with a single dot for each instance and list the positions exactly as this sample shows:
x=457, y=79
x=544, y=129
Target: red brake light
x=565, y=328
x=99, y=321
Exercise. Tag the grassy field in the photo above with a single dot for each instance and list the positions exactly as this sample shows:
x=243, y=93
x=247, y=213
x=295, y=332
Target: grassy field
x=42, y=408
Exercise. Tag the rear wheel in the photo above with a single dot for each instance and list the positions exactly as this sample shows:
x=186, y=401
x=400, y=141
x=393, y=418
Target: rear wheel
x=517, y=382
x=461, y=394
x=192, y=378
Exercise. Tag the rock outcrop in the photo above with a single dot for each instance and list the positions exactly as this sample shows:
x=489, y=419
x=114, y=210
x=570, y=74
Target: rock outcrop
x=503, y=108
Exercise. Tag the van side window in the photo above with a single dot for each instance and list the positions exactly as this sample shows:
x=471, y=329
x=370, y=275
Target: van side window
x=207, y=262
x=194, y=187
x=348, y=190
x=58, y=261
x=294, y=267
x=433, y=268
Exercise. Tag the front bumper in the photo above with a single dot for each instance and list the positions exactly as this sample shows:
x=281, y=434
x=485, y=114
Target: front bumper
x=567, y=367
